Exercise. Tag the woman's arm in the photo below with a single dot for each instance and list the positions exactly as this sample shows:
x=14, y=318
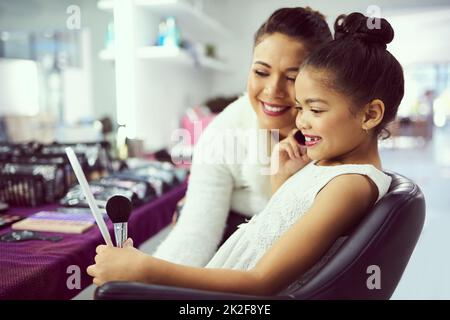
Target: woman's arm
x=198, y=231
x=337, y=208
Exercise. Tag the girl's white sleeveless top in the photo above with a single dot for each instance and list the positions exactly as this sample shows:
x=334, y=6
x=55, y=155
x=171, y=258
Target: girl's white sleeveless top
x=253, y=239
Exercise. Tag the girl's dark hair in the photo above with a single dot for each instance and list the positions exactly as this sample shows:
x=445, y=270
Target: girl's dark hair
x=304, y=24
x=358, y=64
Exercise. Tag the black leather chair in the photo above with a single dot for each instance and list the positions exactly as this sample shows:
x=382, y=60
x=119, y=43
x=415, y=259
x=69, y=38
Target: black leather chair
x=384, y=241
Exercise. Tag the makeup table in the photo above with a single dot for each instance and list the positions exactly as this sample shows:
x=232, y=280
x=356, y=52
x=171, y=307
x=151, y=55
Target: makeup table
x=37, y=269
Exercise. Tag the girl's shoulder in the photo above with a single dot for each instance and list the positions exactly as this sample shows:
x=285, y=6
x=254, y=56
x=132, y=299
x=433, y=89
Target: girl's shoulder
x=378, y=177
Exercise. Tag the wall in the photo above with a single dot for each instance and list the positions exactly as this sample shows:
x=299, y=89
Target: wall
x=51, y=14
x=243, y=18
x=170, y=85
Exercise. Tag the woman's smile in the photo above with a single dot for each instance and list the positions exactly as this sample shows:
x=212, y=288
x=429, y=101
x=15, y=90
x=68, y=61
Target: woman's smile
x=274, y=110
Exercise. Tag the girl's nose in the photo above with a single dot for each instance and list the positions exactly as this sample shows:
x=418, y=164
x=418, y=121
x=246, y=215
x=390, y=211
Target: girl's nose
x=301, y=121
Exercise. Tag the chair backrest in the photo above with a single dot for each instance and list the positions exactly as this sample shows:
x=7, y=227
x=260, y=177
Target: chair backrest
x=371, y=260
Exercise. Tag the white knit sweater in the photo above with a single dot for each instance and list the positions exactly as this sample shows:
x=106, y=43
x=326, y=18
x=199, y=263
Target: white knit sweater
x=223, y=176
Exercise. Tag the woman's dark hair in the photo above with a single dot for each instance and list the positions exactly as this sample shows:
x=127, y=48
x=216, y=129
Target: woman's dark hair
x=358, y=65
x=304, y=24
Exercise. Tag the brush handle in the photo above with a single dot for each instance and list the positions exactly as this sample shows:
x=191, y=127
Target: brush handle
x=121, y=233
x=89, y=196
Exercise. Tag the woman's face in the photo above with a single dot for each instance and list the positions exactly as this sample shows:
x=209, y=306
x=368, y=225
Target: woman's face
x=331, y=130
x=270, y=84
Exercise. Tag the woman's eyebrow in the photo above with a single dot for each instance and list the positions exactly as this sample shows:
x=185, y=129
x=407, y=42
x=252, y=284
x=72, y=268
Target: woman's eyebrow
x=269, y=66
x=263, y=63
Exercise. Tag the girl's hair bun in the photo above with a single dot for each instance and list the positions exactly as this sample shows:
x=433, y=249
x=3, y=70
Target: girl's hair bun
x=374, y=31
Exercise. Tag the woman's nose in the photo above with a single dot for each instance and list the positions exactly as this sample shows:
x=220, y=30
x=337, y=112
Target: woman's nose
x=276, y=88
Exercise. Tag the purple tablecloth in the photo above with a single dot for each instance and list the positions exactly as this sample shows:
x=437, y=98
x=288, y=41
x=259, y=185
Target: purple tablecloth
x=38, y=269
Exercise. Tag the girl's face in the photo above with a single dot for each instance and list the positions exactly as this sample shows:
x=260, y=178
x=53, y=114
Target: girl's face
x=331, y=130
x=270, y=84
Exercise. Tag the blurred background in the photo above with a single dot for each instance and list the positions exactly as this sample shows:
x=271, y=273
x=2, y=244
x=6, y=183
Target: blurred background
x=132, y=72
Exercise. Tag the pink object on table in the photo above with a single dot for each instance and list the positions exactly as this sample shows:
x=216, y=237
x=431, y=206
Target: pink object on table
x=195, y=121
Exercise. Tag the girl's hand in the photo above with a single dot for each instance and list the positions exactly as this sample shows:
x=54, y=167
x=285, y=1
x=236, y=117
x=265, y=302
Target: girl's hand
x=287, y=158
x=118, y=264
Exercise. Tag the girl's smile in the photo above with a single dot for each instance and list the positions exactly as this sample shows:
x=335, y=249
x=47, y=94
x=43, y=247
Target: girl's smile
x=311, y=141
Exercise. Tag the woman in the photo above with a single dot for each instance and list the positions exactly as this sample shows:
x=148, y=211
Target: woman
x=228, y=175
x=347, y=92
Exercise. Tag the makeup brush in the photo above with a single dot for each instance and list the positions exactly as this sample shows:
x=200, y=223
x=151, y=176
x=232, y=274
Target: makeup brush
x=118, y=209
x=88, y=194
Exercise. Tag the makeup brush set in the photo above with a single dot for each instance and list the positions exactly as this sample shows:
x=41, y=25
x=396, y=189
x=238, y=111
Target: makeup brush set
x=140, y=182
x=33, y=174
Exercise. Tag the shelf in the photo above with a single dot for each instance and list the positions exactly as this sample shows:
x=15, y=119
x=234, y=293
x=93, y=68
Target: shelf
x=177, y=55
x=171, y=55
x=188, y=17
x=106, y=54
x=106, y=5
x=153, y=52
x=213, y=64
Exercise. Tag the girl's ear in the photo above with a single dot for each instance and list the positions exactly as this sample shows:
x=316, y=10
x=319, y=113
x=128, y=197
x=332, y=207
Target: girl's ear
x=373, y=114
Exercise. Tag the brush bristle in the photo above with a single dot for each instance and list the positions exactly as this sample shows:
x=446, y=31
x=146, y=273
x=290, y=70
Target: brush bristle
x=118, y=208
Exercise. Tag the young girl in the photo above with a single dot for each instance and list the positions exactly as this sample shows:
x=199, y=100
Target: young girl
x=218, y=185
x=346, y=92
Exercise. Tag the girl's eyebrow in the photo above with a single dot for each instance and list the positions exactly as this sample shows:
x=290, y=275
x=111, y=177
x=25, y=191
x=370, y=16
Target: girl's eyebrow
x=312, y=100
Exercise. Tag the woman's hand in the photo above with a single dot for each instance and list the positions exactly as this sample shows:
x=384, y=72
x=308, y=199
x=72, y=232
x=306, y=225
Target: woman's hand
x=118, y=264
x=287, y=158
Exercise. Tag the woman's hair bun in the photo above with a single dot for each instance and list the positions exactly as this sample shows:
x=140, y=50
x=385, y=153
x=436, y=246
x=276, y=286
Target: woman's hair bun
x=369, y=30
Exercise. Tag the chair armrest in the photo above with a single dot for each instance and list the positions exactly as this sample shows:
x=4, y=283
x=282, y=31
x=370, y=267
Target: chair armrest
x=117, y=290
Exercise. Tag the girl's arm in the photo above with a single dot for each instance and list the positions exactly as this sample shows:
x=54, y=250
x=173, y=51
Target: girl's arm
x=337, y=208
x=225, y=280
x=130, y=264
